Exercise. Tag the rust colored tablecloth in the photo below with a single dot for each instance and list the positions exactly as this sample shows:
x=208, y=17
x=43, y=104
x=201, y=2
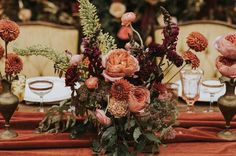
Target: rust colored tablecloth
x=195, y=135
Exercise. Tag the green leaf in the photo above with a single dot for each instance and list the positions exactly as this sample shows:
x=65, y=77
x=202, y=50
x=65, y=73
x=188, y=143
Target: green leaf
x=152, y=137
x=129, y=124
x=137, y=133
x=107, y=134
x=140, y=145
x=96, y=146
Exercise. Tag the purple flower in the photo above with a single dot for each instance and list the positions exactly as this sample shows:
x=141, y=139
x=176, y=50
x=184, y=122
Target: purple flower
x=156, y=50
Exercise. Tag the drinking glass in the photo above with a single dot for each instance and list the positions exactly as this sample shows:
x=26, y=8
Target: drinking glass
x=212, y=87
x=41, y=88
x=190, y=79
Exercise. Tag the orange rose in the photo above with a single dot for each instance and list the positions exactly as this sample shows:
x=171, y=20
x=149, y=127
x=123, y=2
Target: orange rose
x=226, y=45
x=128, y=18
x=119, y=63
x=226, y=66
x=138, y=99
x=91, y=83
x=102, y=118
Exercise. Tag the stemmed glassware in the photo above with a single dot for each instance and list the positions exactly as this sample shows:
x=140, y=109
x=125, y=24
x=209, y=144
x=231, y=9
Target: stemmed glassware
x=190, y=79
x=212, y=87
x=41, y=88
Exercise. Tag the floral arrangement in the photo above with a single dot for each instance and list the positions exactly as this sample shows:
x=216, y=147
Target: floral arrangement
x=9, y=31
x=121, y=91
x=226, y=62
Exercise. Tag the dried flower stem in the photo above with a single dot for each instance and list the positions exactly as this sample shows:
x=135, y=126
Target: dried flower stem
x=140, y=39
x=6, y=43
x=176, y=73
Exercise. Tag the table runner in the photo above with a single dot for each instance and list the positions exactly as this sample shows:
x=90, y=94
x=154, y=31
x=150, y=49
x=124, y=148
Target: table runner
x=193, y=132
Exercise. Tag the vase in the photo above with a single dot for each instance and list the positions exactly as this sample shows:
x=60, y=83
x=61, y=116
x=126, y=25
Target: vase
x=227, y=106
x=8, y=105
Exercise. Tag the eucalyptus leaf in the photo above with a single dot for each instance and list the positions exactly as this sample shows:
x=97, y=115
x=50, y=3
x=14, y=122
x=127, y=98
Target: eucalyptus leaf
x=152, y=137
x=137, y=133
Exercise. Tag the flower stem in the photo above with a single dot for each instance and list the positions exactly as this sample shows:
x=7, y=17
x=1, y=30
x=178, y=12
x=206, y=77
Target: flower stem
x=176, y=73
x=137, y=33
x=168, y=69
x=6, y=43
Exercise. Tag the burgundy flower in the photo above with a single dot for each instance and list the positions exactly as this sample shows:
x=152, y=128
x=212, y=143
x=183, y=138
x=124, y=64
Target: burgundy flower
x=156, y=50
x=9, y=30
x=13, y=64
x=175, y=58
x=71, y=76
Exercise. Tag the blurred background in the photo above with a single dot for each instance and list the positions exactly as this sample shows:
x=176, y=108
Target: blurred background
x=65, y=12
x=56, y=24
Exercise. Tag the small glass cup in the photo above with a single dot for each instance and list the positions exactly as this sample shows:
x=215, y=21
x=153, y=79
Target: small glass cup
x=190, y=80
x=212, y=87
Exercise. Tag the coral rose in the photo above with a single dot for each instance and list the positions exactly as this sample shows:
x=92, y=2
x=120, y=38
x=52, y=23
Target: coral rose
x=128, y=18
x=102, y=118
x=226, y=66
x=76, y=59
x=13, y=64
x=92, y=83
x=226, y=45
x=9, y=30
x=138, y=99
x=124, y=33
x=119, y=63
x=117, y=9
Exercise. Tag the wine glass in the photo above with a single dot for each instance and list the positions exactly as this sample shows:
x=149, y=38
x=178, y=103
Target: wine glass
x=212, y=87
x=41, y=88
x=190, y=79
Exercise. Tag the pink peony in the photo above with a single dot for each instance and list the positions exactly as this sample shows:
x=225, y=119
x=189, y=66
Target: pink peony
x=138, y=99
x=124, y=33
x=75, y=59
x=128, y=18
x=119, y=63
x=165, y=96
x=91, y=83
x=226, y=66
x=102, y=118
x=226, y=45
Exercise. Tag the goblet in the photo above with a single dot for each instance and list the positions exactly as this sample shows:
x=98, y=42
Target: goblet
x=190, y=79
x=41, y=88
x=212, y=87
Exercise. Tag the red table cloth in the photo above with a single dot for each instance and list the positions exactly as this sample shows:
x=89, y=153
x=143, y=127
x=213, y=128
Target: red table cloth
x=195, y=135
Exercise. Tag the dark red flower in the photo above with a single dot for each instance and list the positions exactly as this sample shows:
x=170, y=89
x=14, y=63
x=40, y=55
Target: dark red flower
x=160, y=88
x=9, y=30
x=71, y=76
x=13, y=64
x=156, y=50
